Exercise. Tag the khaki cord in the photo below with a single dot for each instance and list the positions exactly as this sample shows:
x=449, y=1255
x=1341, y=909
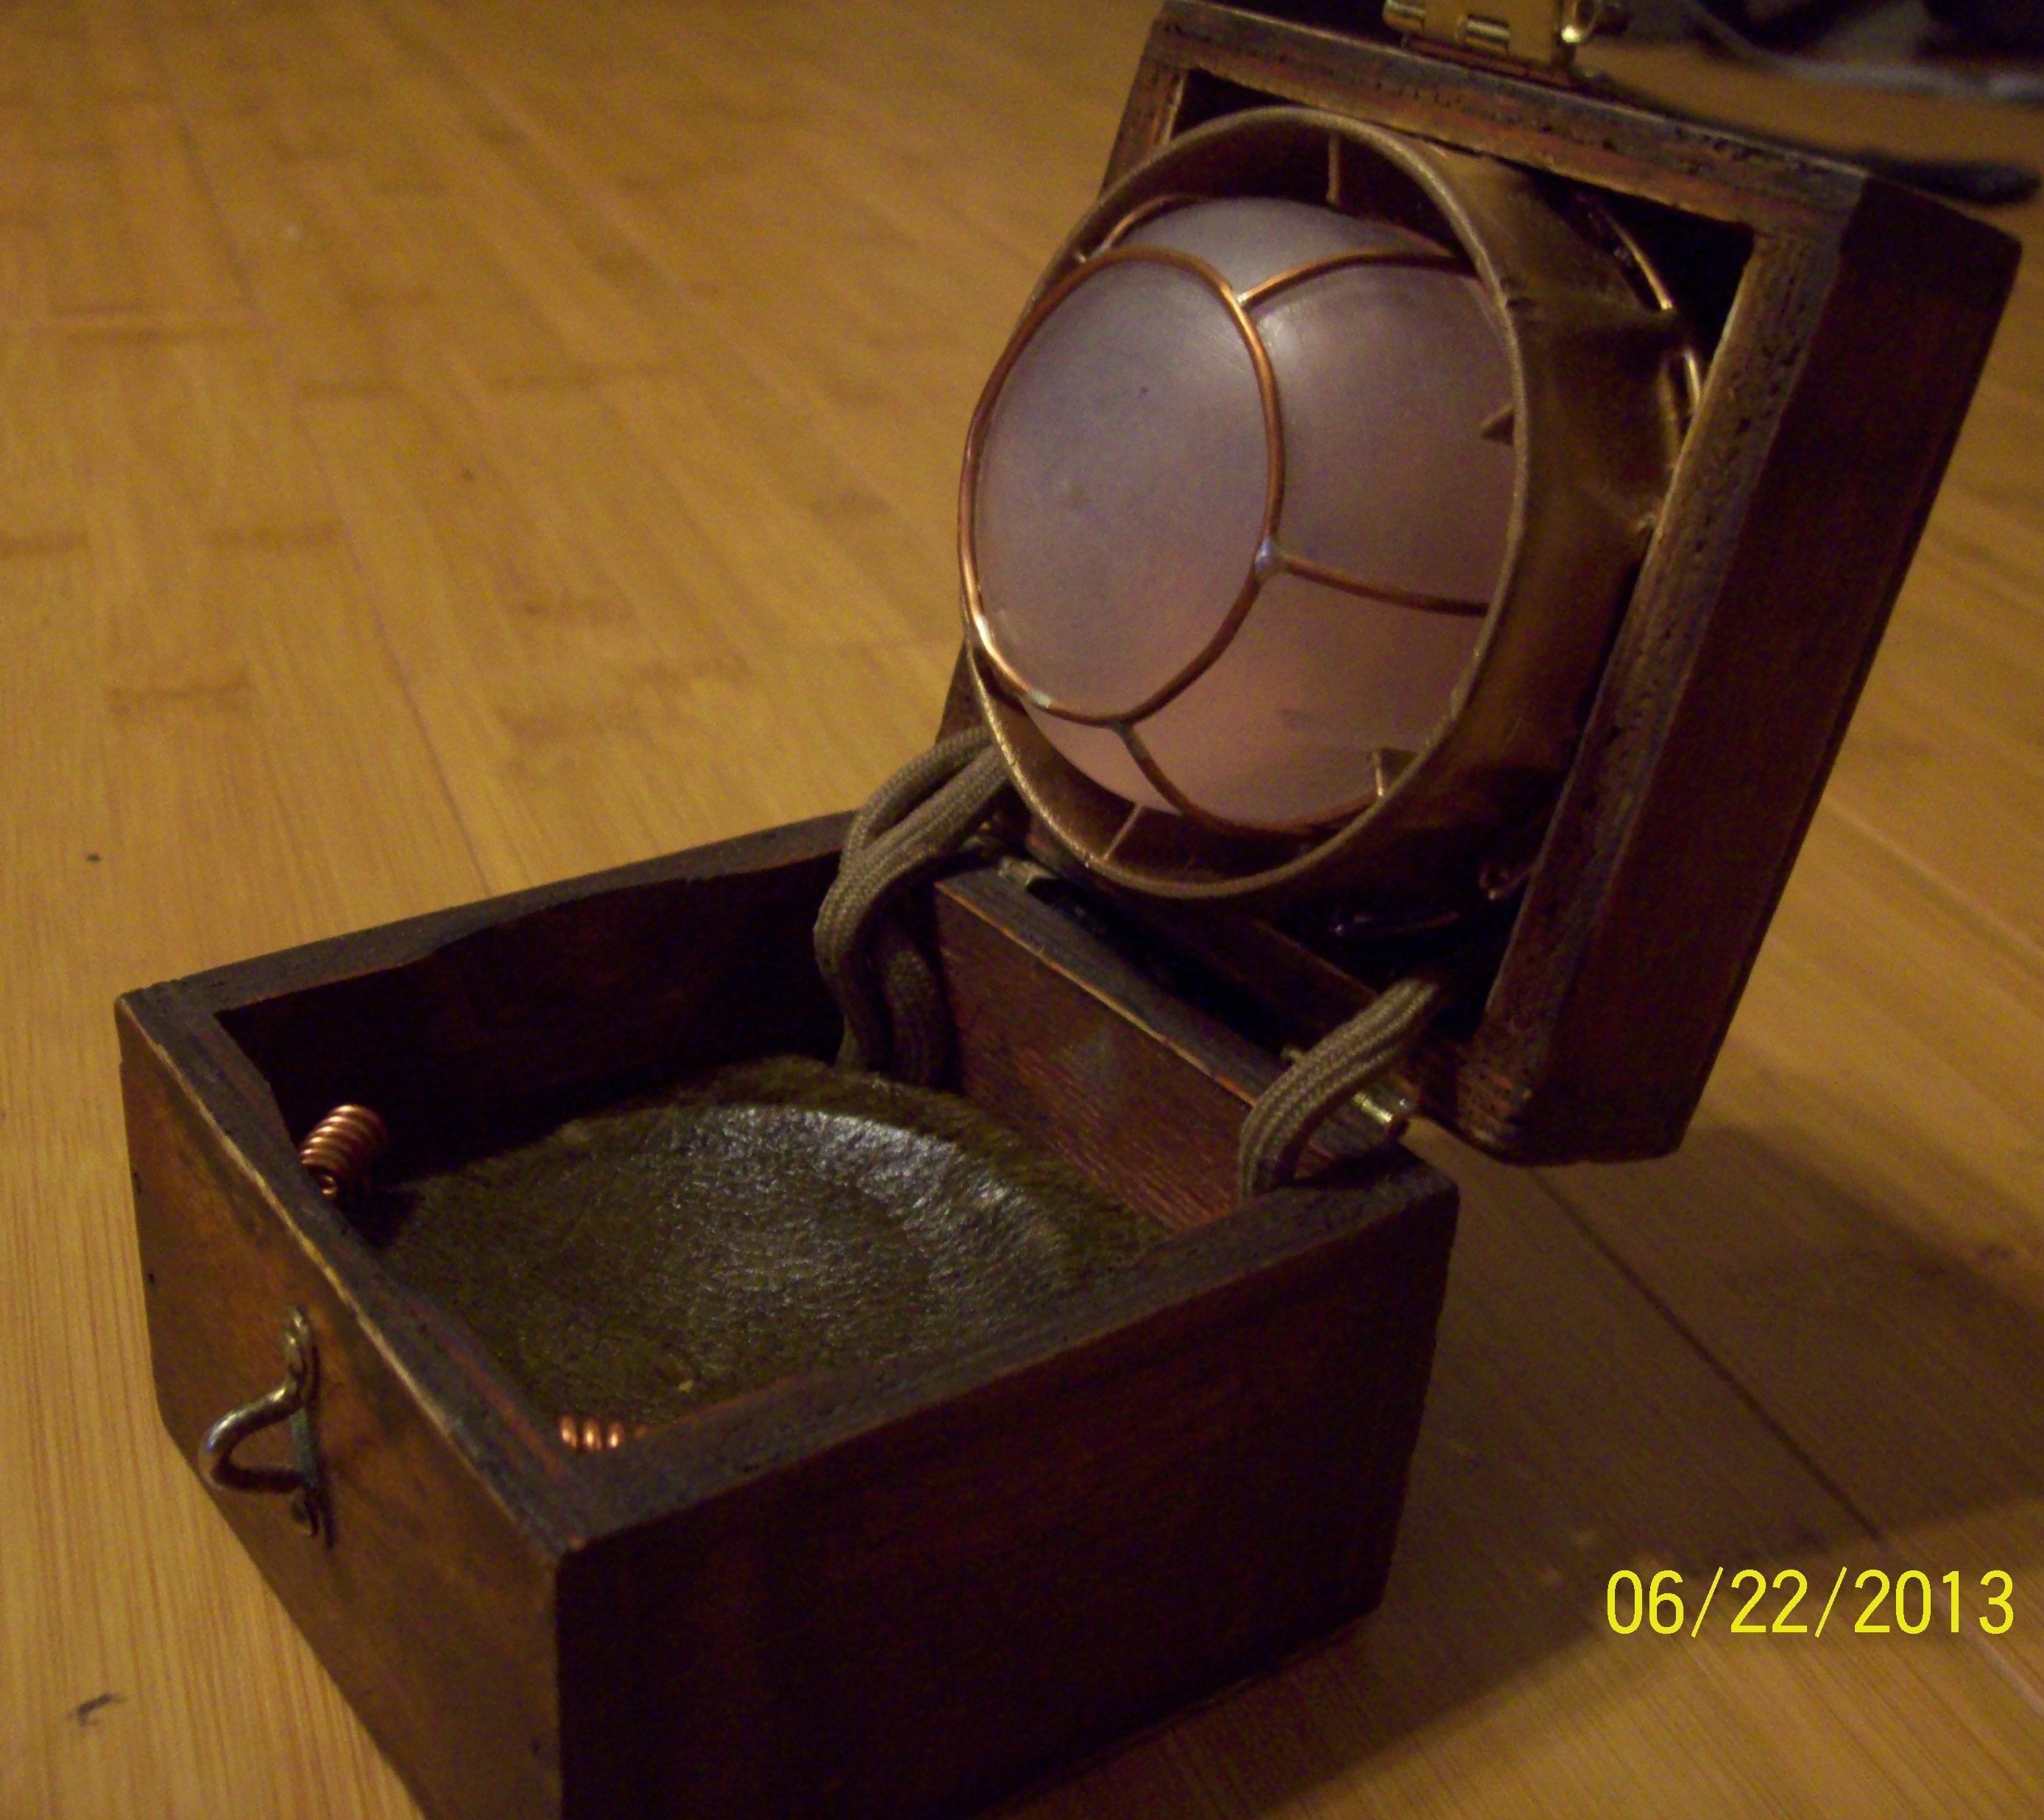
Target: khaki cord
x=895, y=1016
x=1355, y=1055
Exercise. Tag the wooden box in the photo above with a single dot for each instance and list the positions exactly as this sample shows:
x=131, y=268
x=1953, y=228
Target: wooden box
x=903, y=1590
x=1841, y=322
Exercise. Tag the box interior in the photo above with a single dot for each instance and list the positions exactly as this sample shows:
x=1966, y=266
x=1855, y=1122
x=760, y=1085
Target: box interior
x=756, y=1221
x=648, y=1193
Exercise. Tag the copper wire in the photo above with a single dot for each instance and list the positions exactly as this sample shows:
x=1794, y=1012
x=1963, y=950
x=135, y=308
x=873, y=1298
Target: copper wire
x=590, y=1434
x=1413, y=258
x=343, y=1149
x=1270, y=559
x=1199, y=270
x=1143, y=212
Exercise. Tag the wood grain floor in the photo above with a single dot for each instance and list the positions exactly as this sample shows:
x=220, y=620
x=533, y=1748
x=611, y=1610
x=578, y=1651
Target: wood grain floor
x=446, y=447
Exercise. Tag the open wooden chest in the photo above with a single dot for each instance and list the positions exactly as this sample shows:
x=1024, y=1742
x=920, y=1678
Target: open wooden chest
x=906, y=1585
x=896, y=1590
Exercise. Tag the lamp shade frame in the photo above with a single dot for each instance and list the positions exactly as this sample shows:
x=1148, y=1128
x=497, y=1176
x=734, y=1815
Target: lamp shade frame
x=1602, y=379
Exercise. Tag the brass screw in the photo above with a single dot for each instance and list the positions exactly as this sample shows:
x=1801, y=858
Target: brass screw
x=343, y=1147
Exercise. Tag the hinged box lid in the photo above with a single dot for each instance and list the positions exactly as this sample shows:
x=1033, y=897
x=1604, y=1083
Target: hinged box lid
x=1839, y=323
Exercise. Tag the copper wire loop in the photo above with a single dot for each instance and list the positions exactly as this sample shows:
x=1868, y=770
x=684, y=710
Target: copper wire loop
x=587, y=1434
x=1200, y=272
x=1269, y=559
x=343, y=1149
x=1606, y=376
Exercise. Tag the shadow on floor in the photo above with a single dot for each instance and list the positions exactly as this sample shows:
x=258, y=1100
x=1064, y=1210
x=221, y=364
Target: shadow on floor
x=1728, y=1356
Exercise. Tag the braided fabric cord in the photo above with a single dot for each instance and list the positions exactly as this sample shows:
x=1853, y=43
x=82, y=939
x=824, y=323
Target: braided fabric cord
x=895, y=1016
x=1356, y=1055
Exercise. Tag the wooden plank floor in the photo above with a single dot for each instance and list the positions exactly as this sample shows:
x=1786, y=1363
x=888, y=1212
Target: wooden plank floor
x=445, y=447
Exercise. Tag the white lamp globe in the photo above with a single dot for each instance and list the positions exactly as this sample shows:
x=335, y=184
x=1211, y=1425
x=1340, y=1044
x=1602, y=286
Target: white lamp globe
x=1239, y=504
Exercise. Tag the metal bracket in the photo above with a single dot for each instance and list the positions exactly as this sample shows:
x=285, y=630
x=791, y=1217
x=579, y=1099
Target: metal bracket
x=292, y=1402
x=1544, y=33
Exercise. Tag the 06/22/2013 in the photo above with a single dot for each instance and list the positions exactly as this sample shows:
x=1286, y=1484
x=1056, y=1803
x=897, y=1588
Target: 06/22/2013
x=1657, y=1604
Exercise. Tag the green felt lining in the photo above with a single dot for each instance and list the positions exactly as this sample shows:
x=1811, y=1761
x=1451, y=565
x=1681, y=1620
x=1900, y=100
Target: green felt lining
x=757, y=1221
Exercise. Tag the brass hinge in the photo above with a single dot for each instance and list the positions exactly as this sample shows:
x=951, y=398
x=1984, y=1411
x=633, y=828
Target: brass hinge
x=1544, y=32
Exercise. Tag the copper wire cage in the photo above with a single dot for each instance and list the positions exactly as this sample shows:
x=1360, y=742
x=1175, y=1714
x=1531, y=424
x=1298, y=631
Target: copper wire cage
x=1604, y=377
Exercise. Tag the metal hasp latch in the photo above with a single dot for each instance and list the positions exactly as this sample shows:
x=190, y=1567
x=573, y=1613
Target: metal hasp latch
x=292, y=1402
x=1543, y=32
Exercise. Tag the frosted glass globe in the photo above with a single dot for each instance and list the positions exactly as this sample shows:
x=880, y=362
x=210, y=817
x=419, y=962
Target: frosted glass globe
x=1119, y=509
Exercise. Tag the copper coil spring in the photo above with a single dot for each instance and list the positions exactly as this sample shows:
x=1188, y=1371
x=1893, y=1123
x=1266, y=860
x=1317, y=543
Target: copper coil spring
x=587, y=1434
x=343, y=1147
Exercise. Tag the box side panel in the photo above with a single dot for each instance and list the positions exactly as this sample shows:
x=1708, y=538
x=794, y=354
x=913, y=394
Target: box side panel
x=934, y=1611
x=526, y=1008
x=1111, y=1095
x=1697, y=165
x=430, y=1605
x=1077, y=1044
x=391, y=945
x=1712, y=734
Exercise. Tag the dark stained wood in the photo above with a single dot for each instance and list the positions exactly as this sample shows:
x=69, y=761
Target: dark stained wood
x=959, y=710
x=430, y=1602
x=900, y=1590
x=1104, y=1085
x=451, y=1023
x=1574, y=131
x=1155, y=108
x=243, y=983
x=945, y=1607
x=1064, y=1041
x=1716, y=728
x=1861, y=314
